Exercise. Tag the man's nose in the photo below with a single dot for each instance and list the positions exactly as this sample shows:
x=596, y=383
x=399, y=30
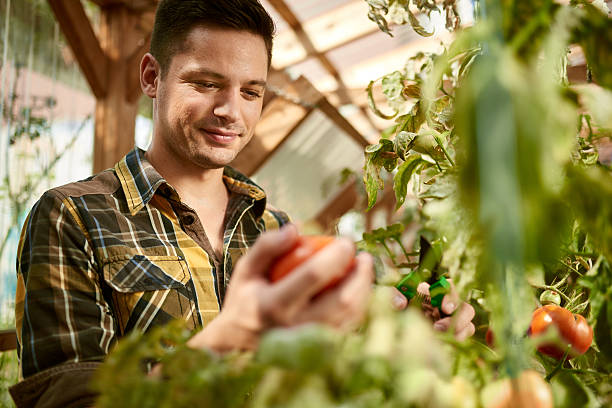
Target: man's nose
x=227, y=104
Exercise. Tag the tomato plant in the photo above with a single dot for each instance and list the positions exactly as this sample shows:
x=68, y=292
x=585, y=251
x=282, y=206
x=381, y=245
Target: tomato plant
x=573, y=329
x=493, y=158
x=305, y=247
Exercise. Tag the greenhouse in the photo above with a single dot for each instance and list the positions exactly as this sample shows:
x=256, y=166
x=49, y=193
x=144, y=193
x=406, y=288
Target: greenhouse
x=306, y=203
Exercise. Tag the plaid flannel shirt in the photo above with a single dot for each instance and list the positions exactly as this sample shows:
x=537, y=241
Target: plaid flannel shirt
x=116, y=252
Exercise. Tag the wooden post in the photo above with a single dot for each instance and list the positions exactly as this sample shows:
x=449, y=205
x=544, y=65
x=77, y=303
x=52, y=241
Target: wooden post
x=8, y=340
x=110, y=64
x=115, y=114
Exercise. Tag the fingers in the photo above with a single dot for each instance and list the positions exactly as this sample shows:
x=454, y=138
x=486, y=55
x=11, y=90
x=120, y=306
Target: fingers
x=451, y=301
x=398, y=300
x=464, y=315
x=468, y=331
x=313, y=275
x=461, y=322
x=268, y=247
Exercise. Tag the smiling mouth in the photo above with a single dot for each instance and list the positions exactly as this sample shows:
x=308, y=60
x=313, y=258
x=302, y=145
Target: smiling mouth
x=220, y=136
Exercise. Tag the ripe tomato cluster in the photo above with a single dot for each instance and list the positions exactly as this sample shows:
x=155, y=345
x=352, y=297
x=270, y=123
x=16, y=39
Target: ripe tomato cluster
x=573, y=329
x=305, y=247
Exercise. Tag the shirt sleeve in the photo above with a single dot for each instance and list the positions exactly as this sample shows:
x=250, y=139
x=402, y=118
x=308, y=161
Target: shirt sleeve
x=62, y=319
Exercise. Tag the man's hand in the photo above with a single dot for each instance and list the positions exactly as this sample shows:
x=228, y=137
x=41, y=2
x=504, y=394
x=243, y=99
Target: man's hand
x=254, y=304
x=462, y=312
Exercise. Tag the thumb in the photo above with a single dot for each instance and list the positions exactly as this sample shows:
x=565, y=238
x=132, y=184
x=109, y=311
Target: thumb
x=269, y=246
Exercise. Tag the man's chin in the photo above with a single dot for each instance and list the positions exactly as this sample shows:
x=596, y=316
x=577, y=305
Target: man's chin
x=209, y=163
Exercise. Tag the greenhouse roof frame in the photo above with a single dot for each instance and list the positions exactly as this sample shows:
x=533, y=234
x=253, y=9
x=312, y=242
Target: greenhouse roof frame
x=339, y=65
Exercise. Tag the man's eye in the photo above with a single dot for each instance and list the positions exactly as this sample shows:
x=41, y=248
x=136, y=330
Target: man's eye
x=209, y=85
x=252, y=94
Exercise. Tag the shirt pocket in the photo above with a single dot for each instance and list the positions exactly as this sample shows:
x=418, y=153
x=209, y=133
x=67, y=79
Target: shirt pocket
x=149, y=291
x=140, y=273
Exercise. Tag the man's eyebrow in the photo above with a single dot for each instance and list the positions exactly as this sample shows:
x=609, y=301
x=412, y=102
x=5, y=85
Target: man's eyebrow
x=260, y=82
x=220, y=76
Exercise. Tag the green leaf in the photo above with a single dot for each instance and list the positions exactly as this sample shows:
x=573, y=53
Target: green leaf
x=412, y=121
x=414, y=22
x=392, y=85
x=595, y=37
x=380, y=21
x=589, y=191
x=388, y=132
x=468, y=59
x=307, y=348
x=412, y=90
x=382, y=234
x=403, y=143
x=378, y=156
x=373, y=148
x=569, y=392
x=403, y=176
x=372, y=180
x=373, y=104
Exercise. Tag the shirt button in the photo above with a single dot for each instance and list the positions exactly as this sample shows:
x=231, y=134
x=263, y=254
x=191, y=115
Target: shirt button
x=188, y=219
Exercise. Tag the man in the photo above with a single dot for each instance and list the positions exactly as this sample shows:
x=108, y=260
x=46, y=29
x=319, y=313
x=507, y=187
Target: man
x=158, y=236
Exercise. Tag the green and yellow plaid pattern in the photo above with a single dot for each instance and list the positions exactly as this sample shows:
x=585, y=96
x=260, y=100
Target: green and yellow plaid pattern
x=119, y=251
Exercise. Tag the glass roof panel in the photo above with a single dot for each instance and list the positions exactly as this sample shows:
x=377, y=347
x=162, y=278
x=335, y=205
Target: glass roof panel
x=305, y=170
x=339, y=25
x=371, y=46
x=304, y=10
x=315, y=73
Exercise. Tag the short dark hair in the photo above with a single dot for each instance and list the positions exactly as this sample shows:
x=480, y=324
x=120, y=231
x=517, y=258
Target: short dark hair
x=174, y=20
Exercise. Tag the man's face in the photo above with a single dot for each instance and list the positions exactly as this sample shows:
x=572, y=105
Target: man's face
x=210, y=98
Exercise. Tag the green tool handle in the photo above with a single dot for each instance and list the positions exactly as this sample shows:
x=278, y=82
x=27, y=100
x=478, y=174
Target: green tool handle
x=408, y=287
x=437, y=291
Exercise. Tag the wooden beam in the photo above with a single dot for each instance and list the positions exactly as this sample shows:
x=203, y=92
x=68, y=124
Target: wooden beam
x=115, y=118
x=8, y=340
x=84, y=44
x=329, y=31
x=132, y=80
x=282, y=8
x=133, y=5
x=345, y=41
x=276, y=125
x=281, y=116
x=340, y=121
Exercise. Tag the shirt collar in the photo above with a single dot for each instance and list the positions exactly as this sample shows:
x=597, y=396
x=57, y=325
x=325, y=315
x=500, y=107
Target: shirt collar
x=139, y=181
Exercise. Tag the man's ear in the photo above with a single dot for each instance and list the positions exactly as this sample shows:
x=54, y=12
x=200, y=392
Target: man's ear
x=149, y=75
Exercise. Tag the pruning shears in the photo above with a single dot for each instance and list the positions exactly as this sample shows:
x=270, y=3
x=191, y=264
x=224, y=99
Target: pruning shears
x=427, y=271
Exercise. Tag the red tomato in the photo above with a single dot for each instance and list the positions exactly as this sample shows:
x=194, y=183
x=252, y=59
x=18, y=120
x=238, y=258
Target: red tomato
x=490, y=338
x=573, y=328
x=305, y=247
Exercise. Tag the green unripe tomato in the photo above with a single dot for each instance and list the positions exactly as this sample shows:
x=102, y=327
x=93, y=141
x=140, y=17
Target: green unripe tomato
x=550, y=297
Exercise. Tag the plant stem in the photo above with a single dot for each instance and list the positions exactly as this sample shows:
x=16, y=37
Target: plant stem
x=583, y=254
x=444, y=90
x=571, y=268
x=406, y=253
x=579, y=371
x=558, y=366
x=391, y=255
